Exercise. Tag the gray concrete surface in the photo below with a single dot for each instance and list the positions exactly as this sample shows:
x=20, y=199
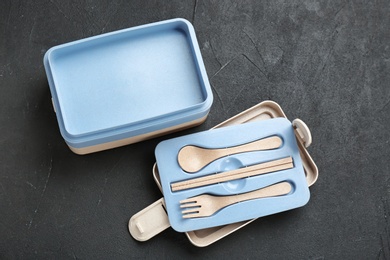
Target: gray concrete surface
x=326, y=62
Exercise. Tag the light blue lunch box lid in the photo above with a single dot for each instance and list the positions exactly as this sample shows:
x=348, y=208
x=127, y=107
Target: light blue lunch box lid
x=128, y=83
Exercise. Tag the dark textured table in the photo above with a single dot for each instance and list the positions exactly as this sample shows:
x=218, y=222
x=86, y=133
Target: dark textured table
x=327, y=63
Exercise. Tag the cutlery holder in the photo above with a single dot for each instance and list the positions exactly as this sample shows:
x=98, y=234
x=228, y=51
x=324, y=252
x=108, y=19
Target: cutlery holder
x=170, y=172
x=204, y=231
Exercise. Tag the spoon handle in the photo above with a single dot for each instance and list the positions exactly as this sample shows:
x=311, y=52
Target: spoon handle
x=262, y=144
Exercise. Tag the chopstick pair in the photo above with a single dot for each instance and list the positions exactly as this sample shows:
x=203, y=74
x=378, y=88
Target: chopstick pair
x=254, y=170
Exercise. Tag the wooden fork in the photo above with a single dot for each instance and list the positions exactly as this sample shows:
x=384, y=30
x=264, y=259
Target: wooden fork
x=206, y=205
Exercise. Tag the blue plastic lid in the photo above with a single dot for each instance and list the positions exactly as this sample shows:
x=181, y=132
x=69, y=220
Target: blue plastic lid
x=129, y=82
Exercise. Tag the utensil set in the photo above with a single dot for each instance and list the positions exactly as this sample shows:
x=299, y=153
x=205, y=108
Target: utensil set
x=193, y=158
x=217, y=181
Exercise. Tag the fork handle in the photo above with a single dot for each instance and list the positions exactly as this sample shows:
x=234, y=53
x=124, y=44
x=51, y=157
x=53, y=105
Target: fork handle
x=279, y=189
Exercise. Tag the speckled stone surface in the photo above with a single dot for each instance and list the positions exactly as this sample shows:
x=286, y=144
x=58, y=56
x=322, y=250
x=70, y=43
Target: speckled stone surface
x=327, y=63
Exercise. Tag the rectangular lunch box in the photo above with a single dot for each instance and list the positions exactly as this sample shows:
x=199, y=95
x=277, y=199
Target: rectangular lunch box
x=129, y=85
x=260, y=121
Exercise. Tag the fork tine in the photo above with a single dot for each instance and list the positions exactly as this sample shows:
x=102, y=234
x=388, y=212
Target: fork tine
x=189, y=204
x=189, y=200
x=189, y=211
x=192, y=215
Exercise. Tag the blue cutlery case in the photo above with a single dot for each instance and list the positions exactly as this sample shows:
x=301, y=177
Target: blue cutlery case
x=170, y=172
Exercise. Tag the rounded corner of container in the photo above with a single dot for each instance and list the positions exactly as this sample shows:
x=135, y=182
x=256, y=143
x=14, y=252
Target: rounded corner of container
x=48, y=55
x=205, y=107
x=199, y=242
x=208, y=93
x=185, y=21
x=209, y=99
x=184, y=24
x=306, y=198
x=270, y=102
x=68, y=136
x=76, y=150
x=175, y=227
x=71, y=139
x=158, y=147
x=45, y=58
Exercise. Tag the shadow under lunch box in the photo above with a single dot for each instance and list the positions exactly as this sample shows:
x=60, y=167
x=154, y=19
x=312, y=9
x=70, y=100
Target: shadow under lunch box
x=245, y=170
x=129, y=85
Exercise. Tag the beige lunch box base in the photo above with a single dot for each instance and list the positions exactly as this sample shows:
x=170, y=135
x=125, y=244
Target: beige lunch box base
x=154, y=219
x=135, y=139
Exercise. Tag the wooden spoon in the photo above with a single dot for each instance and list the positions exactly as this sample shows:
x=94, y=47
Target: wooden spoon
x=193, y=158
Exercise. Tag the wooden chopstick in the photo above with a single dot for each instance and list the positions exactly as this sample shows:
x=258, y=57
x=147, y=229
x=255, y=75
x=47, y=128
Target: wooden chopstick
x=233, y=177
x=267, y=167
